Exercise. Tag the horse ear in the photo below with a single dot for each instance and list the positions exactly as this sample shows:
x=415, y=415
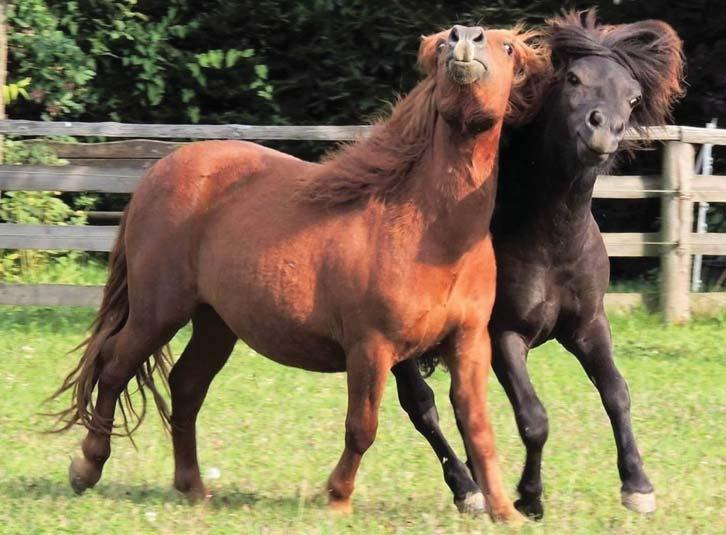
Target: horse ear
x=428, y=52
x=532, y=77
x=655, y=55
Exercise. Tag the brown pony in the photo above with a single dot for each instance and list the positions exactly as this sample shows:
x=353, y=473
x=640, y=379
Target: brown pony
x=313, y=265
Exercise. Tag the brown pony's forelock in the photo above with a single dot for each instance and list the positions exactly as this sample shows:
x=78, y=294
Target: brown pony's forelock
x=650, y=50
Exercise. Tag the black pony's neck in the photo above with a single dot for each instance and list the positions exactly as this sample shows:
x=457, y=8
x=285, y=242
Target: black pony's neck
x=542, y=185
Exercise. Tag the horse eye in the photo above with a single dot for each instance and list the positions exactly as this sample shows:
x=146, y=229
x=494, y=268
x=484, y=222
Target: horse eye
x=441, y=45
x=635, y=101
x=509, y=49
x=572, y=78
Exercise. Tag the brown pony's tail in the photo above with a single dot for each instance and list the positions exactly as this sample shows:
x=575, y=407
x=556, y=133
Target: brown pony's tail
x=82, y=380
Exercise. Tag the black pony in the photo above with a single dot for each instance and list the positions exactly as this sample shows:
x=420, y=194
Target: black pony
x=553, y=269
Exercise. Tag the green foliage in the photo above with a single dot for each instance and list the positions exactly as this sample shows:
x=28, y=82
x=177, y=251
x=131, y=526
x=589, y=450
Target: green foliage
x=39, y=208
x=14, y=90
x=147, y=68
x=40, y=49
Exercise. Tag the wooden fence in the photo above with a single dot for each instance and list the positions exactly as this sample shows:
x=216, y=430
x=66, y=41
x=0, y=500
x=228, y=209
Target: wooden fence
x=116, y=167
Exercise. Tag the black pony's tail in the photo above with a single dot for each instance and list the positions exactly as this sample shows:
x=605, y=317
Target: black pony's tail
x=428, y=362
x=82, y=380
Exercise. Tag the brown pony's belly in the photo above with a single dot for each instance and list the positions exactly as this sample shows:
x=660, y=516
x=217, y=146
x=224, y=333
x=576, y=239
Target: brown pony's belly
x=290, y=345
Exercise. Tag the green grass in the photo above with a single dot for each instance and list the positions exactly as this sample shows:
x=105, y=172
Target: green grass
x=274, y=433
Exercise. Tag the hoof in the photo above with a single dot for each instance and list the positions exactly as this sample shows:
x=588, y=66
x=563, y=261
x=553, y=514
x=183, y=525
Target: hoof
x=531, y=508
x=510, y=516
x=639, y=502
x=195, y=496
x=340, y=506
x=82, y=475
x=472, y=504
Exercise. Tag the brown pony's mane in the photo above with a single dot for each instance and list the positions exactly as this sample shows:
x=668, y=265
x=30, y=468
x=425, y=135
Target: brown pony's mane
x=380, y=164
x=650, y=50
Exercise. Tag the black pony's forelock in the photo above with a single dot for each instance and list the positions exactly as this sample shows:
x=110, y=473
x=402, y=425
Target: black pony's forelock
x=649, y=50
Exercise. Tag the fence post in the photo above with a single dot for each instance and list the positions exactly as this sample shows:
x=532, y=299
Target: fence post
x=676, y=227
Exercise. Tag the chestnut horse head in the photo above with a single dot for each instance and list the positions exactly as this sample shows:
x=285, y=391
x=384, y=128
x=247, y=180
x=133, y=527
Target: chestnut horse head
x=476, y=79
x=611, y=77
x=483, y=76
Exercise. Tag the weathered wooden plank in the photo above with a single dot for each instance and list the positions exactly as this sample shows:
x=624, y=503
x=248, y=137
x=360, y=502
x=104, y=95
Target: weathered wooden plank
x=688, y=134
x=90, y=296
x=57, y=237
x=104, y=216
x=50, y=295
x=676, y=224
x=706, y=303
x=699, y=135
x=708, y=188
x=655, y=133
x=634, y=244
x=114, y=163
x=68, y=178
x=624, y=302
x=713, y=243
x=627, y=187
x=183, y=131
x=128, y=148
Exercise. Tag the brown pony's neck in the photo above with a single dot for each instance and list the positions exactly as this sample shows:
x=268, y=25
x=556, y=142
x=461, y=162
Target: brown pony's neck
x=457, y=166
x=415, y=157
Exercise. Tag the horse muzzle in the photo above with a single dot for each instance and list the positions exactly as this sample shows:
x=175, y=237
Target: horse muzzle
x=466, y=64
x=466, y=72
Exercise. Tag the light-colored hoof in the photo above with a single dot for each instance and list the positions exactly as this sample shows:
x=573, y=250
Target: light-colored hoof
x=341, y=507
x=511, y=517
x=638, y=502
x=472, y=504
x=82, y=475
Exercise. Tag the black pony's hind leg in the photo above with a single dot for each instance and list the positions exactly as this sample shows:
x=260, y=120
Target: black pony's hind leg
x=509, y=361
x=417, y=399
x=592, y=345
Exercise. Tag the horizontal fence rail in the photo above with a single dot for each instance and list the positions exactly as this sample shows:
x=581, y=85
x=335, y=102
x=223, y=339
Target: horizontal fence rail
x=117, y=167
x=687, y=134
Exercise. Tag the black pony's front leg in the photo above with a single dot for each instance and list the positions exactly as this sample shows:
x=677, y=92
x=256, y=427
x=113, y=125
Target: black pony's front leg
x=592, y=345
x=417, y=399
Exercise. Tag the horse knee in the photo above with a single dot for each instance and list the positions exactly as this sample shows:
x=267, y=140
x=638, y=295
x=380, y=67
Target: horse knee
x=359, y=436
x=534, y=427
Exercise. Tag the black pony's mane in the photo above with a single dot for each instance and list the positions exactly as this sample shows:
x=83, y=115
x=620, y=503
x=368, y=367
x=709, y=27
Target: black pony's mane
x=650, y=50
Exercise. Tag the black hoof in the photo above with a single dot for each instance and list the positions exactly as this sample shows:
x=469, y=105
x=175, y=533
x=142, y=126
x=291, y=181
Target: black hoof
x=82, y=475
x=531, y=508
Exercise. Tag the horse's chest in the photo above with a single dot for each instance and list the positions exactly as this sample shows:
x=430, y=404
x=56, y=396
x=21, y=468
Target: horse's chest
x=422, y=314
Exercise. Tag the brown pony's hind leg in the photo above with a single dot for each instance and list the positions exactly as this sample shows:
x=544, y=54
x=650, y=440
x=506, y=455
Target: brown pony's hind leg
x=368, y=365
x=206, y=353
x=122, y=355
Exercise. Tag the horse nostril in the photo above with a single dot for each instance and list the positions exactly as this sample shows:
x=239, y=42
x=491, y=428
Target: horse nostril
x=454, y=35
x=596, y=118
x=618, y=129
x=479, y=36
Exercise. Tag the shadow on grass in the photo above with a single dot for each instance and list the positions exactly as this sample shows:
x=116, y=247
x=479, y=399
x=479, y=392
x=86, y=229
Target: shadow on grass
x=228, y=497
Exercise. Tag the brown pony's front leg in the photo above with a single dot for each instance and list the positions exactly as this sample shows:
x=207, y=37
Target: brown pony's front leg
x=469, y=366
x=368, y=365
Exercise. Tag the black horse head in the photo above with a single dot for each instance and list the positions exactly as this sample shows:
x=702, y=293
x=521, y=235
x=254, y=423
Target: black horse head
x=608, y=78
